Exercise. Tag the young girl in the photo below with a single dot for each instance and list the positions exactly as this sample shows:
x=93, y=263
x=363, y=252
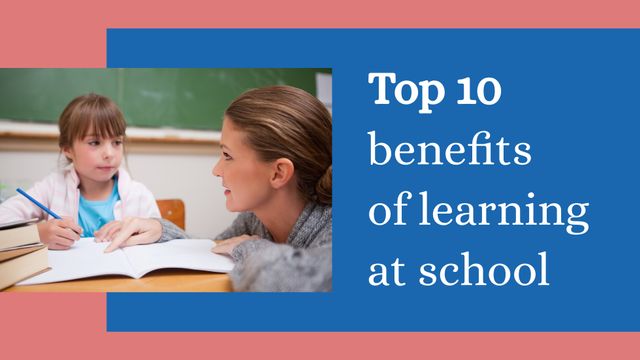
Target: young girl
x=93, y=190
x=276, y=169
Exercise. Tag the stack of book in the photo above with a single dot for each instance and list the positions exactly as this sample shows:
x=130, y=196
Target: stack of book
x=22, y=255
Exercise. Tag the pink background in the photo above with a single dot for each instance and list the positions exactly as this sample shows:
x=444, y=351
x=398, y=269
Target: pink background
x=53, y=326
x=72, y=33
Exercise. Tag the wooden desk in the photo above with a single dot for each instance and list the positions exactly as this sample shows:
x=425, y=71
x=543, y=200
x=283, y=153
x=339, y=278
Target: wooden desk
x=164, y=280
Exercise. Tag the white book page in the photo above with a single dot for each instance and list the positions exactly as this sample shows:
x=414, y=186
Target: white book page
x=85, y=258
x=194, y=254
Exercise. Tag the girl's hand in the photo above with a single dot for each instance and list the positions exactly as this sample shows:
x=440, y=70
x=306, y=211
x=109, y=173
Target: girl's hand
x=135, y=231
x=108, y=231
x=225, y=247
x=59, y=234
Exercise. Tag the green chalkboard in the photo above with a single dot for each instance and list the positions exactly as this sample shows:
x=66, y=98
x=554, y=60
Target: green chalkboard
x=177, y=98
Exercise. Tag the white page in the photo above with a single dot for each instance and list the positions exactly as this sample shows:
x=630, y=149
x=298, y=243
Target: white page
x=85, y=258
x=194, y=254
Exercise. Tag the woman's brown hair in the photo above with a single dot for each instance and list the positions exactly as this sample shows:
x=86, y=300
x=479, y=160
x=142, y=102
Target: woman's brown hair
x=287, y=122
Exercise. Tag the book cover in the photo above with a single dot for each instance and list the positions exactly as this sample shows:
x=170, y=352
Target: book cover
x=22, y=267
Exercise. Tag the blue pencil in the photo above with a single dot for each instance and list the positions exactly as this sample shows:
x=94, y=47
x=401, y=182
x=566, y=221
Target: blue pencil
x=24, y=193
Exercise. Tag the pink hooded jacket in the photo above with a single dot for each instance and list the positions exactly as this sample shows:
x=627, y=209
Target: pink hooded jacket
x=60, y=192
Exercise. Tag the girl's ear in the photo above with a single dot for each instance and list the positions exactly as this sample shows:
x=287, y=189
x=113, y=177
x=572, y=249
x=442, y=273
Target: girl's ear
x=68, y=153
x=283, y=170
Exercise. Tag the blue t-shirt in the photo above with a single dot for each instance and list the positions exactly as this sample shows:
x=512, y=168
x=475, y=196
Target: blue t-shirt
x=92, y=215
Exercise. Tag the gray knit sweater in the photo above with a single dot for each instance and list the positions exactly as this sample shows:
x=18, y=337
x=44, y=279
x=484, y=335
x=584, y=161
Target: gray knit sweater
x=302, y=264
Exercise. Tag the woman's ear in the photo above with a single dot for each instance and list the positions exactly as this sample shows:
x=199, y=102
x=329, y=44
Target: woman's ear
x=282, y=172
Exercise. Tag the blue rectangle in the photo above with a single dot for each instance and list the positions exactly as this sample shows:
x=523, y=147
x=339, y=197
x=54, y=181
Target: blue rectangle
x=572, y=95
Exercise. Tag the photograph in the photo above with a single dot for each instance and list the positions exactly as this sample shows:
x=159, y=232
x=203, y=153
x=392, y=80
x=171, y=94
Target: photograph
x=162, y=180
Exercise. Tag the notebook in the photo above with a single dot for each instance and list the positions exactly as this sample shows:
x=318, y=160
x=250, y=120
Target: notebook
x=86, y=258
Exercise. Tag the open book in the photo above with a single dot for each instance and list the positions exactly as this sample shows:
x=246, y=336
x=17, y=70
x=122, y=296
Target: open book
x=87, y=258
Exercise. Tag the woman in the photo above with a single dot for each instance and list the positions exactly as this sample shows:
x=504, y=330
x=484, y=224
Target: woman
x=276, y=170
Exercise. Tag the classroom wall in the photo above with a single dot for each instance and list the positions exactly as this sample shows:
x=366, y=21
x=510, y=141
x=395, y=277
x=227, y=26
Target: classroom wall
x=187, y=177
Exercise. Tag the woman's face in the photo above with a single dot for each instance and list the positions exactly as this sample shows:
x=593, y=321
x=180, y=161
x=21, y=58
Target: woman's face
x=245, y=178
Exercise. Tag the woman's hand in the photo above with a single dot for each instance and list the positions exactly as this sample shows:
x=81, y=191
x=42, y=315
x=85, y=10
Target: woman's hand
x=135, y=231
x=108, y=231
x=225, y=247
x=59, y=234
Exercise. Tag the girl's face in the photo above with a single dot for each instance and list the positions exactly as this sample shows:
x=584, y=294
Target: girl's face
x=96, y=159
x=245, y=178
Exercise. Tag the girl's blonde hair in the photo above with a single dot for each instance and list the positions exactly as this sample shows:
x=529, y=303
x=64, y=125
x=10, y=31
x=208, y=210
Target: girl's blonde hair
x=287, y=122
x=90, y=112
